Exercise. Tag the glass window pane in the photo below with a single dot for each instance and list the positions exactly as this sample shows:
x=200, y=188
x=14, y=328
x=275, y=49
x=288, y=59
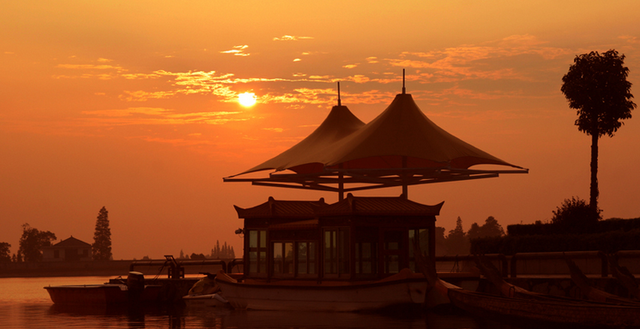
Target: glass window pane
x=253, y=239
x=302, y=257
x=263, y=262
x=288, y=258
x=253, y=261
x=312, y=257
x=263, y=239
x=277, y=257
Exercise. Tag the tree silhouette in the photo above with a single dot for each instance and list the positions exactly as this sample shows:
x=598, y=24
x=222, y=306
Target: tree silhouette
x=456, y=241
x=5, y=253
x=32, y=242
x=101, y=247
x=596, y=85
x=574, y=215
x=490, y=228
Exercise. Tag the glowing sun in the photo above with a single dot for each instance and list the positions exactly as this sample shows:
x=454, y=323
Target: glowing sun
x=247, y=99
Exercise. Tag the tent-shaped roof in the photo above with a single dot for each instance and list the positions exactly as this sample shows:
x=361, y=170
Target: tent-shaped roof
x=402, y=130
x=400, y=147
x=305, y=156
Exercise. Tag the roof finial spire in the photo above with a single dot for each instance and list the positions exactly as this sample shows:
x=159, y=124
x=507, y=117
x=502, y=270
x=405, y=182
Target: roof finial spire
x=404, y=90
x=339, y=102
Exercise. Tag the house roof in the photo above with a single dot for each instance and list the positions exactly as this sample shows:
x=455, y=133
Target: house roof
x=379, y=206
x=72, y=242
x=281, y=209
x=309, y=211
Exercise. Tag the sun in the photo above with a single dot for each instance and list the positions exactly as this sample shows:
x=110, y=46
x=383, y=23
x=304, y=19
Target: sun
x=247, y=99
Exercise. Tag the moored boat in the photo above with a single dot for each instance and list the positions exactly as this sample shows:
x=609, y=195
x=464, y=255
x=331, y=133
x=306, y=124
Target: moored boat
x=402, y=289
x=134, y=291
x=88, y=294
x=206, y=300
x=548, y=309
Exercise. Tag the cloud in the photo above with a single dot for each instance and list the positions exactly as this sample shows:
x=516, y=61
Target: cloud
x=291, y=38
x=351, y=66
x=90, y=67
x=237, y=51
x=156, y=116
x=630, y=39
x=486, y=61
x=277, y=130
x=296, y=59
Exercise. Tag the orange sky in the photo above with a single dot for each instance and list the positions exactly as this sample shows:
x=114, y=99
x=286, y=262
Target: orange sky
x=132, y=105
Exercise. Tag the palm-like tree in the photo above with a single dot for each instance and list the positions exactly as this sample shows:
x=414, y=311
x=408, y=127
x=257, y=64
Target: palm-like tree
x=596, y=85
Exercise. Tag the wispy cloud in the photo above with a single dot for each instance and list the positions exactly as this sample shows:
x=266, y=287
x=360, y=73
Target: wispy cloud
x=156, y=116
x=237, y=51
x=472, y=61
x=291, y=38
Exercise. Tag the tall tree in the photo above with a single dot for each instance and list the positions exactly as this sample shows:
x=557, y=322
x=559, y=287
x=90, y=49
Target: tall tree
x=5, y=252
x=32, y=242
x=597, y=87
x=101, y=246
x=456, y=241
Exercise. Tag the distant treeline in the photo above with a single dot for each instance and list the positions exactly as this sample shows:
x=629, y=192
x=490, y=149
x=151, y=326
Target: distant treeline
x=218, y=252
x=609, y=236
x=609, y=225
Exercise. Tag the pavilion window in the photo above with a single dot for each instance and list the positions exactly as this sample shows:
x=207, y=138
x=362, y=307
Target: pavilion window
x=257, y=251
x=306, y=257
x=392, y=249
x=421, y=237
x=336, y=252
x=283, y=258
x=366, y=258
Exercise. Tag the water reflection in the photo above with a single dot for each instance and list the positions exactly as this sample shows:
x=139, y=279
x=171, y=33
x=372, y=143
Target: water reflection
x=188, y=317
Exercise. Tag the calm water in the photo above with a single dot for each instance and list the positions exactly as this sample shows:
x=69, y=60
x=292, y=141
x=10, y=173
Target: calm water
x=25, y=304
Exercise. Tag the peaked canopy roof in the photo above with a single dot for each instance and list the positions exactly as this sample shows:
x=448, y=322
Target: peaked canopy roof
x=400, y=147
x=402, y=130
x=306, y=156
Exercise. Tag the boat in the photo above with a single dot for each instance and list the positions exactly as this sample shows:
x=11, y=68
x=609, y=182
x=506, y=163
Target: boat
x=356, y=254
x=205, y=293
x=547, y=310
x=132, y=291
x=519, y=304
x=404, y=289
x=590, y=292
x=205, y=300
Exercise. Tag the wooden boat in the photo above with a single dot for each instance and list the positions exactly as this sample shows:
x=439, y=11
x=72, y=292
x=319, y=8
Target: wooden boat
x=590, y=292
x=205, y=293
x=548, y=309
x=625, y=277
x=134, y=291
x=88, y=294
x=404, y=288
x=519, y=304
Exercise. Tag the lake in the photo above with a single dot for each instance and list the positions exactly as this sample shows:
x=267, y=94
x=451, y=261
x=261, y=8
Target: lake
x=25, y=304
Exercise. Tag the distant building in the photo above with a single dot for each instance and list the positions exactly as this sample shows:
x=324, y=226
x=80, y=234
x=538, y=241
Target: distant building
x=68, y=250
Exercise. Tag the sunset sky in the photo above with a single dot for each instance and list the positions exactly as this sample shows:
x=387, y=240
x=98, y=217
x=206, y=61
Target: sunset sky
x=132, y=105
